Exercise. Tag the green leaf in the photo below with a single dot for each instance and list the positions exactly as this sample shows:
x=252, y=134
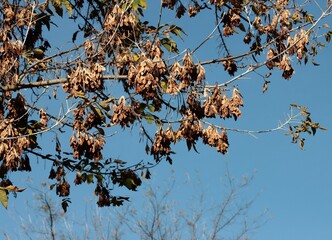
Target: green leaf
x=100, y=130
x=151, y=108
x=194, y=147
x=170, y=45
x=309, y=18
x=45, y=19
x=57, y=144
x=64, y=205
x=147, y=149
x=169, y=160
x=104, y=105
x=149, y=118
x=130, y=184
x=177, y=31
x=73, y=39
x=98, y=112
x=141, y=107
x=160, y=27
x=38, y=53
x=118, y=161
x=147, y=174
x=135, y=5
x=306, y=59
x=189, y=144
x=163, y=84
x=241, y=27
x=314, y=63
x=35, y=126
x=89, y=178
x=255, y=9
x=4, y=198
x=78, y=94
x=99, y=177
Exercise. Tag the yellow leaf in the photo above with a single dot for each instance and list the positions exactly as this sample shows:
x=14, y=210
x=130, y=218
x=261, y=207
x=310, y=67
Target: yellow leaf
x=68, y=6
x=136, y=3
x=12, y=188
x=4, y=198
x=79, y=94
x=142, y=3
x=98, y=112
x=104, y=105
x=135, y=57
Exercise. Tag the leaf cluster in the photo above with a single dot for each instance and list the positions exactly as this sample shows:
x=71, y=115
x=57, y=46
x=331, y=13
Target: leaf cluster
x=123, y=72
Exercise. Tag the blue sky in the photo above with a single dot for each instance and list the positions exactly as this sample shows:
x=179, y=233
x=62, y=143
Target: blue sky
x=293, y=184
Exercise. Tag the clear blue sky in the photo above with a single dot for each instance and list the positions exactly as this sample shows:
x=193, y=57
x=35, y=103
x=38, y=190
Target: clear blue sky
x=294, y=185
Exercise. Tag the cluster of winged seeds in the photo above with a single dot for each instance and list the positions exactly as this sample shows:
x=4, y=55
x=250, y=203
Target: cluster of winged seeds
x=167, y=96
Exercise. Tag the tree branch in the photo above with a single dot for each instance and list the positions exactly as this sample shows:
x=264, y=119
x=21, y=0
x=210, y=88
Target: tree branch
x=17, y=87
